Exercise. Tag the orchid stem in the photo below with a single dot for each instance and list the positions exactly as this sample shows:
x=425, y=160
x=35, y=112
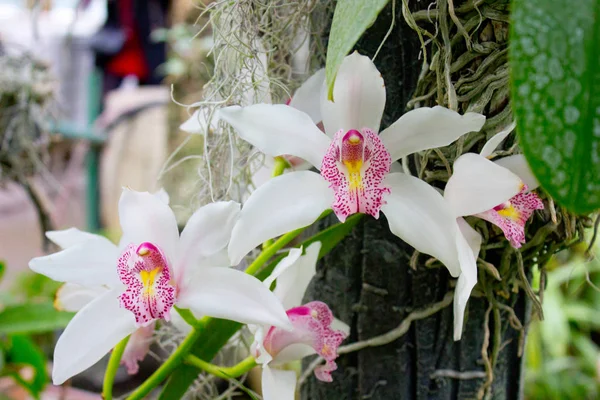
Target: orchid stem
x=222, y=372
x=112, y=367
x=168, y=366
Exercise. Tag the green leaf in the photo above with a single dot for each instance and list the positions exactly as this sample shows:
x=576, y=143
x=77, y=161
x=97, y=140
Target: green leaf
x=555, y=64
x=2, y=269
x=23, y=351
x=350, y=20
x=32, y=318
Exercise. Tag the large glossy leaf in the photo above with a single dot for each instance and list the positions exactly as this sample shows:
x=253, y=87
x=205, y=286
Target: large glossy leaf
x=555, y=64
x=351, y=19
x=32, y=318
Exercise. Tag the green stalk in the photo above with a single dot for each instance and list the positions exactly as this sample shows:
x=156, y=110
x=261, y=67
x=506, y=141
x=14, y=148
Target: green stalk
x=222, y=372
x=112, y=367
x=167, y=367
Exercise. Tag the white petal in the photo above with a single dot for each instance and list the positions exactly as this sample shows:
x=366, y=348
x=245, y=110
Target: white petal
x=306, y=98
x=282, y=266
x=146, y=218
x=472, y=237
x=278, y=130
x=358, y=97
x=285, y=203
x=73, y=297
x=468, y=243
x=91, y=334
x=292, y=283
x=71, y=237
x=478, y=185
x=428, y=128
x=418, y=214
x=293, y=352
x=492, y=144
x=518, y=165
x=198, y=123
x=162, y=195
x=179, y=323
x=278, y=384
x=90, y=263
x=339, y=325
x=206, y=233
x=231, y=294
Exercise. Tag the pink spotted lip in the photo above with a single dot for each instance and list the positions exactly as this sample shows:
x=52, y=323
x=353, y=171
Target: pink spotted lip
x=355, y=165
x=149, y=294
x=312, y=327
x=512, y=215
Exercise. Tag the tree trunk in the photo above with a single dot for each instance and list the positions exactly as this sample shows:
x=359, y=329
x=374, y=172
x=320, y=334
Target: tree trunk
x=369, y=284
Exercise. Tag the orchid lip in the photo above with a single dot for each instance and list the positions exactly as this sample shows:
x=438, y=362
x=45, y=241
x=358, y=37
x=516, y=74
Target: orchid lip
x=355, y=166
x=149, y=293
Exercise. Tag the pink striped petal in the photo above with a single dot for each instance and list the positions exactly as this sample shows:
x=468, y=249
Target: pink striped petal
x=312, y=326
x=355, y=165
x=137, y=348
x=512, y=215
x=149, y=294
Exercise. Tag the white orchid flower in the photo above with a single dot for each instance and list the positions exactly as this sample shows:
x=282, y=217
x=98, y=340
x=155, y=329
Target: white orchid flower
x=354, y=165
x=495, y=191
x=128, y=287
x=313, y=333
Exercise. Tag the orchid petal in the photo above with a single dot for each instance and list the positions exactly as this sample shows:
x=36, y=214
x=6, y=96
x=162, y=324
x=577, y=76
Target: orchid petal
x=518, y=165
x=146, y=218
x=282, y=266
x=418, y=214
x=292, y=283
x=278, y=130
x=198, y=123
x=91, y=334
x=428, y=128
x=162, y=195
x=92, y=262
x=73, y=297
x=478, y=185
x=206, y=233
x=230, y=294
x=180, y=324
x=306, y=98
x=278, y=384
x=494, y=142
x=71, y=237
x=283, y=204
x=468, y=243
x=137, y=348
x=358, y=97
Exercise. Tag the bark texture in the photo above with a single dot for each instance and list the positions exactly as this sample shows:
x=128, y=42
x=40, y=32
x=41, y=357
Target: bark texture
x=369, y=284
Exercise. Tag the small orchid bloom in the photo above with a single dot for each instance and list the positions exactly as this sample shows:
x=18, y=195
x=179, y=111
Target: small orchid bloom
x=495, y=191
x=355, y=164
x=313, y=331
x=122, y=289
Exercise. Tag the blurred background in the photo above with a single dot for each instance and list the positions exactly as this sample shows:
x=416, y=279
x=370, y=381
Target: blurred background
x=91, y=99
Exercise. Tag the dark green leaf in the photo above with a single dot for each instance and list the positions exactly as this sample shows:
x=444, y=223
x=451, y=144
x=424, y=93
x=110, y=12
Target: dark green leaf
x=23, y=351
x=32, y=318
x=555, y=63
x=350, y=20
x=2, y=269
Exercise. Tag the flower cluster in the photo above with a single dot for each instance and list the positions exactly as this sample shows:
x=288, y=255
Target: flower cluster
x=124, y=290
